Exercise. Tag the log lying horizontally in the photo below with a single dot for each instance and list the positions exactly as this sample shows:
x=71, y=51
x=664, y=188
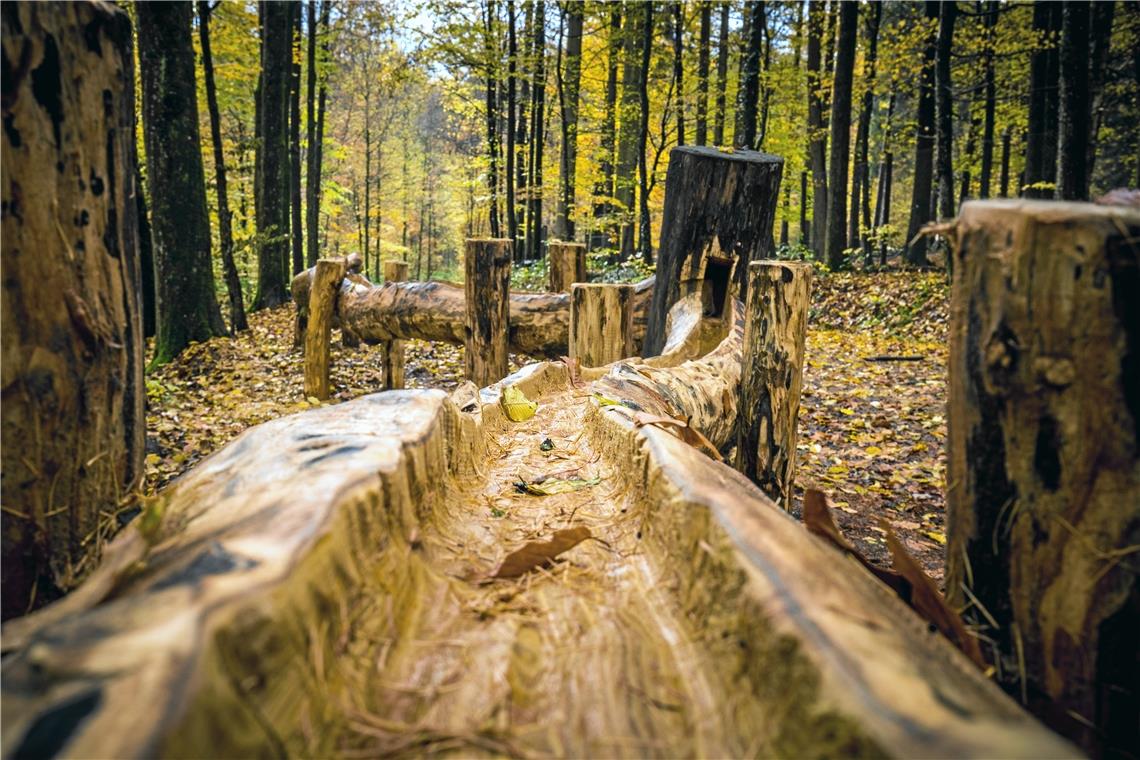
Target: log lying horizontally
x=323, y=586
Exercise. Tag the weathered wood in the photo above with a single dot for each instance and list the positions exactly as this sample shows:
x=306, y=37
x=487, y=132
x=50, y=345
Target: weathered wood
x=775, y=327
x=299, y=288
x=326, y=279
x=486, y=288
x=1043, y=472
x=717, y=204
x=73, y=394
x=601, y=323
x=306, y=591
x=394, y=271
x=567, y=265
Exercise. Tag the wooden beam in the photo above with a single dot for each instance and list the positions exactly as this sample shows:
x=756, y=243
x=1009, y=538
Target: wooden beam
x=326, y=280
x=486, y=290
x=601, y=323
x=394, y=271
x=775, y=328
x=567, y=265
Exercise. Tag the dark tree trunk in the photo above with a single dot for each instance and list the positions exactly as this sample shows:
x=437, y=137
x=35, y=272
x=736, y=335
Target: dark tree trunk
x=187, y=308
x=146, y=259
x=861, y=184
x=273, y=178
x=1005, y=139
x=538, y=133
x=296, y=228
x=569, y=102
x=523, y=176
x=920, y=210
x=1102, y=17
x=512, y=114
x=644, y=235
x=766, y=91
x=883, y=197
x=604, y=210
x=678, y=68
x=703, y=73
x=945, y=106
x=805, y=227
x=817, y=134
x=1073, y=129
x=721, y=77
x=312, y=179
x=73, y=420
x=746, y=13
x=989, y=84
x=749, y=89
x=1041, y=138
x=629, y=130
x=841, y=133
x=225, y=228
x=491, y=53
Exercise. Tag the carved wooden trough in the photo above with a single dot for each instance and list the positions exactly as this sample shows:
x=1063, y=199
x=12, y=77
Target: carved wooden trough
x=325, y=586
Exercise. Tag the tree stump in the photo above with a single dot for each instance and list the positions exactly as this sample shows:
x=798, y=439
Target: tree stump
x=717, y=204
x=322, y=297
x=73, y=422
x=487, y=290
x=775, y=326
x=394, y=271
x=601, y=323
x=1044, y=457
x=567, y=265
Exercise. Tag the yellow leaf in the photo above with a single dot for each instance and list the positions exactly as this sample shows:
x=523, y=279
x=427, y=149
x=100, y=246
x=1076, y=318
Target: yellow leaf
x=934, y=535
x=847, y=411
x=516, y=405
x=873, y=451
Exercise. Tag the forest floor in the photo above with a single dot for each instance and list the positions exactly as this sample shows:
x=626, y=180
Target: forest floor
x=871, y=433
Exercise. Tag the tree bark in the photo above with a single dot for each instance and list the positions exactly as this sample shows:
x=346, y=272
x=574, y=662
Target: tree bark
x=749, y=89
x=1041, y=137
x=394, y=271
x=1005, y=139
x=310, y=134
x=491, y=53
x=861, y=182
x=717, y=205
x=841, y=134
x=573, y=81
x=817, y=134
x=775, y=329
x=601, y=323
x=187, y=307
x=644, y=234
x=1073, y=137
x=989, y=82
x=538, y=134
x=486, y=289
x=512, y=114
x=678, y=67
x=629, y=129
x=603, y=210
x=721, y=77
x=948, y=13
x=703, y=58
x=72, y=362
x=1044, y=478
x=316, y=141
x=322, y=298
x=296, y=228
x=273, y=176
x=567, y=265
x=1102, y=17
x=225, y=226
x=920, y=210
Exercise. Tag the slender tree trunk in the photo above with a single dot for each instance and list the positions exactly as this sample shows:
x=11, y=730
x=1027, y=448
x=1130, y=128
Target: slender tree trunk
x=629, y=130
x=523, y=178
x=225, y=228
x=1041, y=138
x=312, y=174
x=644, y=237
x=572, y=79
x=920, y=211
x=538, y=131
x=817, y=135
x=512, y=105
x=603, y=209
x=187, y=307
x=883, y=197
x=366, y=220
x=990, y=85
x=945, y=106
x=146, y=258
x=679, y=68
x=721, y=77
x=841, y=133
x=1005, y=139
x=746, y=12
x=749, y=90
x=296, y=225
x=861, y=184
x=1073, y=138
x=765, y=87
x=1102, y=17
x=491, y=53
x=703, y=73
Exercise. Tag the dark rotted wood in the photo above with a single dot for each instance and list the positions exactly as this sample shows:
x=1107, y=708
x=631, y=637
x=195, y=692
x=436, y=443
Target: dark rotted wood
x=567, y=265
x=716, y=203
x=775, y=327
x=601, y=323
x=326, y=280
x=1044, y=458
x=72, y=362
x=487, y=282
x=394, y=271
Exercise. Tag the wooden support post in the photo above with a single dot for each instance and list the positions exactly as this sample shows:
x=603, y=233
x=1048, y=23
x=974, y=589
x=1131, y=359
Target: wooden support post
x=487, y=290
x=775, y=326
x=1043, y=480
x=394, y=271
x=567, y=265
x=326, y=281
x=601, y=323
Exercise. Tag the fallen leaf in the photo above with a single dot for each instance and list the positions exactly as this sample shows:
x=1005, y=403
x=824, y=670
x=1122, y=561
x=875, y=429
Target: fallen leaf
x=573, y=369
x=687, y=433
x=817, y=520
x=934, y=535
x=516, y=405
x=534, y=554
x=551, y=486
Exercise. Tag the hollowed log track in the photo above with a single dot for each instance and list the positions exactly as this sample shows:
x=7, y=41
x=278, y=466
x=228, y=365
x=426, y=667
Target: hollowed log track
x=321, y=587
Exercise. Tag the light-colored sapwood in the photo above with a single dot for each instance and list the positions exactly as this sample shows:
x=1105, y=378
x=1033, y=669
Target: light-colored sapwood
x=327, y=276
x=567, y=265
x=394, y=271
x=601, y=323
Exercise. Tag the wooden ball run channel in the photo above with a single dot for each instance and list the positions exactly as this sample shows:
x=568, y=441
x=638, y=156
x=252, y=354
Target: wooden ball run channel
x=324, y=587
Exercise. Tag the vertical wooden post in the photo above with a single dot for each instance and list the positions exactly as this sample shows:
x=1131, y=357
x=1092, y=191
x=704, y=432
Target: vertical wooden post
x=1043, y=469
x=394, y=271
x=487, y=287
x=775, y=326
x=601, y=323
x=567, y=265
x=322, y=297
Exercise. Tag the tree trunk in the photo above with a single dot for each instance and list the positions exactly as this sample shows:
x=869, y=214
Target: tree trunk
x=629, y=129
x=523, y=176
x=945, y=106
x=1102, y=16
x=322, y=297
x=601, y=323
x=920, y=211
x=644, y=235
x=841, y=134
x=512, y=114
x=538, y=133
x=721, y=77
x=311, y=180
x=187, y=307
x=73, y=422
x=567, y=265
x=817, y=134
x=491, y=57
x=749, y=89
x=1005, y=139
x=861, y=183
x=989, y=82
x=486, y=288
x=1073, y=137
x=719, y=208
x=394, y=271
x=678, y=68
x=603, y=210
x=273, y=177
x=703, y=73
x=225, y=228
x=1044, y=480
x=805, y=227
x=296, y=228
x=1041, y=137
x=146, y=259
x=573, y=81
x=775, y=328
